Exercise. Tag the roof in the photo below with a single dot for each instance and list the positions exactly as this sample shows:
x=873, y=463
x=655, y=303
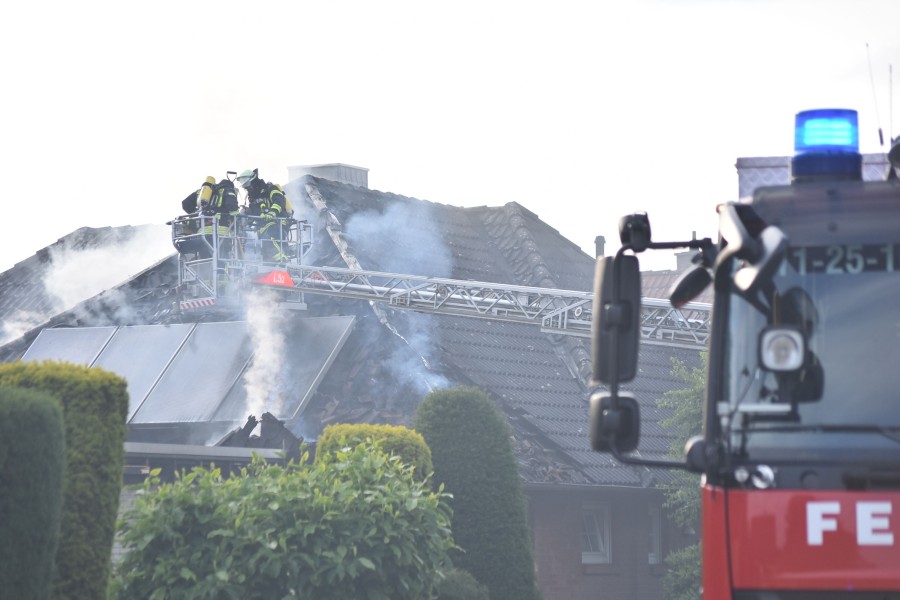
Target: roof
x=393, y=358
x=540, y=380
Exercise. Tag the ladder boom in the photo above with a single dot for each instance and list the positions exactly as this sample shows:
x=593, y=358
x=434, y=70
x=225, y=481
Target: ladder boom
x=217, y=262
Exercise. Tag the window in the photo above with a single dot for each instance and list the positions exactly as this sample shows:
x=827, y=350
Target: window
x=654, y=535
x=595, y=535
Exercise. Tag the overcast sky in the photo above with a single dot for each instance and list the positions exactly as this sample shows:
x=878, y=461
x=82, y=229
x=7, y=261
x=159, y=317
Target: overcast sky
x=580, y=111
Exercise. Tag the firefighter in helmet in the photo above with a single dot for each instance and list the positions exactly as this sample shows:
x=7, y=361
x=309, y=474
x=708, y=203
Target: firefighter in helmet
x=203, y=206
x=268, y=202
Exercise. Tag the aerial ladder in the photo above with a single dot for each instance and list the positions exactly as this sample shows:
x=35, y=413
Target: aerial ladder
x=218, y=264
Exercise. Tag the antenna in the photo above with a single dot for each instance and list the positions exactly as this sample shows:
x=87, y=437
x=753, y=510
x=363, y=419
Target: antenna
x=891, y=103
x=874, y=97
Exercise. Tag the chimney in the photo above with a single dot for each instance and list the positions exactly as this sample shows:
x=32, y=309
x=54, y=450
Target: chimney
x=358, y=176
x=599, y=246
x=684, y=260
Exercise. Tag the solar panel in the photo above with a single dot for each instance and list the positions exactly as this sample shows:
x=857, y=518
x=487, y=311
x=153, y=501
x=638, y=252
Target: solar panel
x=201, y=373
x=78, y=345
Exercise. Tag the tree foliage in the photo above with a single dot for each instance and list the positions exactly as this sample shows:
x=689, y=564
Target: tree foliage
x=409, y=445
x=683, y=578
x=32, y=455
x=94, y=403
x=473, y=456
x=358, y=527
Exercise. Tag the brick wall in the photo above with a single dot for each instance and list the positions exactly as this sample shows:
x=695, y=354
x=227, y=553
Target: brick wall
x=556, y=521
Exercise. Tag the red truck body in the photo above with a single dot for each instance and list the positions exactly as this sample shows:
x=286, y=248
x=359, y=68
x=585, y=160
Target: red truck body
x=799, y=540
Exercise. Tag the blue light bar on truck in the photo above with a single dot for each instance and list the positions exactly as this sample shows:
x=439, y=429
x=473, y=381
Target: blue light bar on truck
x=826, y=130
x=826, y=146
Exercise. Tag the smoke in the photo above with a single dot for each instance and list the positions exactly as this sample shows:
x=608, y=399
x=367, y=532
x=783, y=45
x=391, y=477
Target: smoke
x=417, y=368
x=18, y=324
x=305, y=211
x=83, y=265
x=406, y=238
x=78, y=273
x=265, y=321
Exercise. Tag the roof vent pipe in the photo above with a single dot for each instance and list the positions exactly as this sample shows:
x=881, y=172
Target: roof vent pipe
x=599, y=246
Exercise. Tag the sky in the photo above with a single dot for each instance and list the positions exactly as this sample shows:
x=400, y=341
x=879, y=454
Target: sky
x=112, y=112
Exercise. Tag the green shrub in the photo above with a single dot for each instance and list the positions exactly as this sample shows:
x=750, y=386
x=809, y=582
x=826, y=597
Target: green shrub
x=358, y=527
x=682, y=582
x=32, y=455
x=409, y=445
x=460, y=585
x=473, y=457
x=95, y=405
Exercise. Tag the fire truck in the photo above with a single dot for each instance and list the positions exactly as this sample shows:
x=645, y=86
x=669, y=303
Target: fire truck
x=800, y=452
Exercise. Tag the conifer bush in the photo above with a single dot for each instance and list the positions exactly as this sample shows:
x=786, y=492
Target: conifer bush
x=31, y=471
x=473, y=457
x=396, y=440
x=94, y=404
x=358, y=527
x=460, y=585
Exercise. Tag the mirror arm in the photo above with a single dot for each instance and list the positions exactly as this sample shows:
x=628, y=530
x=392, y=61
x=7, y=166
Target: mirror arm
x=644, y=462
x=703, y=244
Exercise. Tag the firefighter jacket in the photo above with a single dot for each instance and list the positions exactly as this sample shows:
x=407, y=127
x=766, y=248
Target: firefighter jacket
x=267, y=200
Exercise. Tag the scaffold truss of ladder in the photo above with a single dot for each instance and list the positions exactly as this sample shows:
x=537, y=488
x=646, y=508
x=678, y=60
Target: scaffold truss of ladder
x=564, y=312
x=217, y=262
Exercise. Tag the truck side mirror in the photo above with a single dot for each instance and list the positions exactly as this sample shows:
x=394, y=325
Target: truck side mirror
x=762, y=254
x=773, y=243
x=615, y=423
x=690, y=284
x=695, y=451
x=616, y=324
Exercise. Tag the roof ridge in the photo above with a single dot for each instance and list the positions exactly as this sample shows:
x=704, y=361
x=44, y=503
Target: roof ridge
x=509, y=226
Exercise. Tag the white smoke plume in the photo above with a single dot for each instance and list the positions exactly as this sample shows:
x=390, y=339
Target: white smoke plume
x=76, y=274
x=265, y=321
x=406, y=238
x=18, y=324
x=417, y=368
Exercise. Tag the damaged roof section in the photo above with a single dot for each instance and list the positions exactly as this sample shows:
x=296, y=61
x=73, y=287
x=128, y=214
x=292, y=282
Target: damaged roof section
x=392, y=358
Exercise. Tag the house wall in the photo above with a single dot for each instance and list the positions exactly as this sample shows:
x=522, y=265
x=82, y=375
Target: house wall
x=557, y=528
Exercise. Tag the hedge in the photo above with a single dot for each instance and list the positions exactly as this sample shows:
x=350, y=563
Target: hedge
x=357, y=527
x=396, y=440
x=32, y=457
x=472, y=451
x=460, y=585
x=95, y=406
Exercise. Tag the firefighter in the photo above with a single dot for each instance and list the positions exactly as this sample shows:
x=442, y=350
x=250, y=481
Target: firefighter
x=199, y=197
x=194, y=205
x=210, y=200
x=268, y=202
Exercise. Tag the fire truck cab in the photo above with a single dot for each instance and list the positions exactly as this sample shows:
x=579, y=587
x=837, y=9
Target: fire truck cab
x=800, y=451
